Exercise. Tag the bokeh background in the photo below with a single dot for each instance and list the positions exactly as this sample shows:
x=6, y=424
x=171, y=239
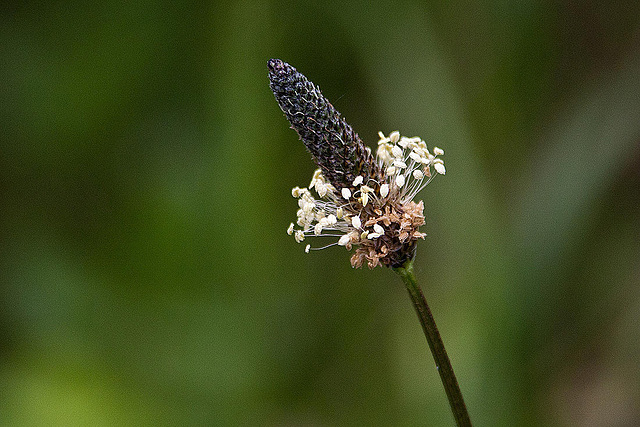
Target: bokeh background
x=145, y=176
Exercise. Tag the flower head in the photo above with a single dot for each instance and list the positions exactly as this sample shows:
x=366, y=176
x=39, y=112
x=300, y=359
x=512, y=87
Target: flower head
x=357, y=201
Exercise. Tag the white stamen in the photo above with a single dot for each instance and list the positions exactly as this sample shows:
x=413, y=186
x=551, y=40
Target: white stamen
x=394, y=136
x=384, y=190
x=378, y=229
x=383, y=154
x=321, y=189
x=438, y=151
x=317, y=230
x=358, y=181
x=399, y=164
x=307, y=248
x=415, y=156
x=400, y=181
x=355, y=221
x=372, y=236
x=418, y=174
x=299, y=236
x=438, y=165
x=344, y=240
x=290, y=229
x=396, y=151
x=346, y=193
x=308, y=207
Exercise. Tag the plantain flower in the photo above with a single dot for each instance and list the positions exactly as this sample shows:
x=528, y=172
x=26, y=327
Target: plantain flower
x=354, y=199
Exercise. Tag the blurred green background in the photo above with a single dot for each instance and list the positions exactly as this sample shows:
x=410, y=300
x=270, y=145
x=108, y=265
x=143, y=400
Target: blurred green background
x=145, y=176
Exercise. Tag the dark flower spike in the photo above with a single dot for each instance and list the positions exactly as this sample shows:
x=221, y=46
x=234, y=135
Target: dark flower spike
x=365, y=202
x=335, y=146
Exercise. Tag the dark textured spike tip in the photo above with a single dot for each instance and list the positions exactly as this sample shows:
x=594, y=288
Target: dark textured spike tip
x=275, y=64
x=333, y=144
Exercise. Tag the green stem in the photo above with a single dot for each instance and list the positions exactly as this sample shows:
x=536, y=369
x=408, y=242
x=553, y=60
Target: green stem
x=443, y=365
